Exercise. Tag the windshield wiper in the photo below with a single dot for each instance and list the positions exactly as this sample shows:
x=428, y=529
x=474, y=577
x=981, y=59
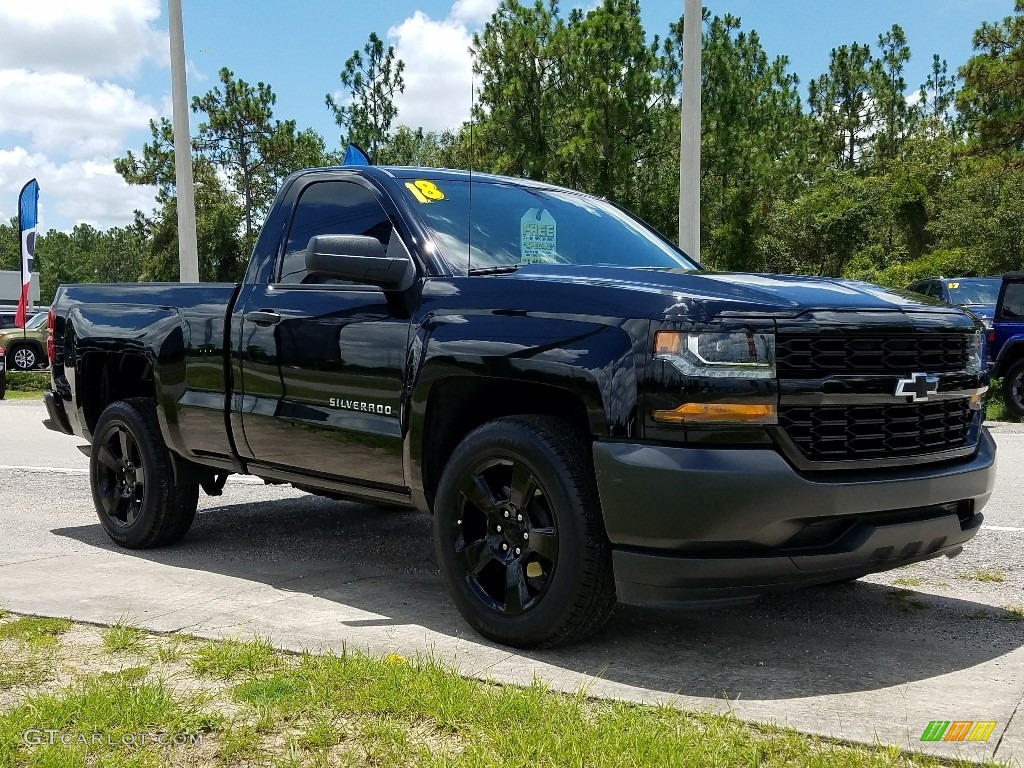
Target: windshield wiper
x=504, y=269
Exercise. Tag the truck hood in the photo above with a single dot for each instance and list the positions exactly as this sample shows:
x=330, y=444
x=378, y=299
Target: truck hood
x=735, y=293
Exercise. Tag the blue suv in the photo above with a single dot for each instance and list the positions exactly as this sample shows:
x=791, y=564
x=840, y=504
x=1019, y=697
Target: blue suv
x=977, y=294
x=1006, y=341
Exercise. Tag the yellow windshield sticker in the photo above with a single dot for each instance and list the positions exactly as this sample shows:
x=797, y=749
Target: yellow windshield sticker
x=425, y=191
x=954, y=286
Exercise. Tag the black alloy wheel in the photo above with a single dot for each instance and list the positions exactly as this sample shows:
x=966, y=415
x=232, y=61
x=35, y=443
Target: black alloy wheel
x=121, y=478
x=505, y=539
x=137, y=499
x=519, y=534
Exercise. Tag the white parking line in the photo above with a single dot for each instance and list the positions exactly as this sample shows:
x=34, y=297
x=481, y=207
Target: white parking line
x=45, y=470
x=1001, y=528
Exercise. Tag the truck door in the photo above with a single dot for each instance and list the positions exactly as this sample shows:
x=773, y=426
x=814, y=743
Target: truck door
x=322, y=363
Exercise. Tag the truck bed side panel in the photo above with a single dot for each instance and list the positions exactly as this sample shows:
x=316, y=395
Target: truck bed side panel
x=168, y=337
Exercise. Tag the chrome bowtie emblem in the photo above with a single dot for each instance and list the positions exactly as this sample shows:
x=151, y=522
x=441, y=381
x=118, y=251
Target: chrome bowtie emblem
x=918, y=387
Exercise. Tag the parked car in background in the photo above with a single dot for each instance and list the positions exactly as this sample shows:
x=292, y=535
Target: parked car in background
x=26, y=347
x=977, y=294
x=7, y=317
x=3, y=375
x=1006, y=341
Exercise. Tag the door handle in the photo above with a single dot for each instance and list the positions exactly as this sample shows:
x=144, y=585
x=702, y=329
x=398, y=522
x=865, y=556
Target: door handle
x=263, y=317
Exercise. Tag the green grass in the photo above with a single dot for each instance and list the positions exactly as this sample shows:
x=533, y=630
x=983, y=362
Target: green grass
x=24, y=667
x=30, y=395
x=28, y=649
x=907, y=599
x=37, y=633
x=228, y=658
x=995, y=406
x=1013, y=612
x=124, y=638
x=170, y=649
x=111, y=704
x=908, y=581
x=255, y=706
x=986, y=577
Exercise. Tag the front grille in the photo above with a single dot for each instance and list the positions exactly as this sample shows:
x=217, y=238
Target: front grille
x=858, y=432
x=814, y=357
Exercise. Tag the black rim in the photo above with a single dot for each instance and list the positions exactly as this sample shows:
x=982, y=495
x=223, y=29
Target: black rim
x=504, y=535
x=1017, y=390
x=120, y=479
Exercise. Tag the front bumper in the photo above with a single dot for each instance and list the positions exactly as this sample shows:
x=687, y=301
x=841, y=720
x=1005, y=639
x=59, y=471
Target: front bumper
x=714, y=523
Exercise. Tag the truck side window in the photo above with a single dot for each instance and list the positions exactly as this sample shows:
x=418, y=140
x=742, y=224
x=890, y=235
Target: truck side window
x=331, y=208
x=1013, y=302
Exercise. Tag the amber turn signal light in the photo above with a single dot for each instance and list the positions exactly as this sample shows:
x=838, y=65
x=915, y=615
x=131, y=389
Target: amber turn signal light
x=718, y=413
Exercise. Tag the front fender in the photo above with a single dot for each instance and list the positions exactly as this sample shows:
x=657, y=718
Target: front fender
x=593, y=360
x=1011, y=351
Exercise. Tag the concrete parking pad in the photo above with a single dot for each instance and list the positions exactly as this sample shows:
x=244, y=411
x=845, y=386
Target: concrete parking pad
x=874, y=660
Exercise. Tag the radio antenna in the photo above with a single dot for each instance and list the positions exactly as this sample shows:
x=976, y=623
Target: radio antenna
x=472, y=108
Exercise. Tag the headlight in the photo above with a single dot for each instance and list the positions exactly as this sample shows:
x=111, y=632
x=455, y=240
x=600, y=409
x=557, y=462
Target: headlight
x=736, y=355
x=976, y=353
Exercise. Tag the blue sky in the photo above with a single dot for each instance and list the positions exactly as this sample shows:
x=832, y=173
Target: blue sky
x=79, y=80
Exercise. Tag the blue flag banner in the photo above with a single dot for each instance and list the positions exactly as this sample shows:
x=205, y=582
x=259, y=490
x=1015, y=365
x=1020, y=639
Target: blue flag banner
x=354, y=155
x=28, y=220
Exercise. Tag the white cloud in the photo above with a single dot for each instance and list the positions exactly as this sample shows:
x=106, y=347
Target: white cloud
x=438, y=67
x=86, y=37
x=77, y=191
x=473, y=12
x=68, y=113
x=67, y=108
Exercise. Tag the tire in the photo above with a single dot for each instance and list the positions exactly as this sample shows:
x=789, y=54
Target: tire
x=23, y=357
x=1013, y=389
x=526, y=482
x=133, y=488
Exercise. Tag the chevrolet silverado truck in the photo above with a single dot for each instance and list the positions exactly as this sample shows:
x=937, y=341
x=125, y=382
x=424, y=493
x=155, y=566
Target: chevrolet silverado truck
x=589, y=416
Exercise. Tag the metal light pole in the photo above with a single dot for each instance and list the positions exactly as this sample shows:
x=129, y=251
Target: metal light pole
x=689, y=138
x=188, y=249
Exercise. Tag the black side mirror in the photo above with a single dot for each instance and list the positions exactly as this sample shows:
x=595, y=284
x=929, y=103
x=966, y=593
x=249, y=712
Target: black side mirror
x=362, y=259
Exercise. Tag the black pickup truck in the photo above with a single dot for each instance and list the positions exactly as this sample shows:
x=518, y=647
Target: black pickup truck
x=588, y=414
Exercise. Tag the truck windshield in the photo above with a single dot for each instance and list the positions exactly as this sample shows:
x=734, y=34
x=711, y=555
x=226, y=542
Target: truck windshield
x=513, y=226
x=973, y=291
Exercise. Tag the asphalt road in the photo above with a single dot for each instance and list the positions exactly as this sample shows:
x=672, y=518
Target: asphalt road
x=872, y=660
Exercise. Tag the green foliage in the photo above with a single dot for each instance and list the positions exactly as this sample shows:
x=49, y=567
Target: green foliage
x=228, y=658
x=865, y=178
x=749, y=103
x=28, y=381
x=991, y=103
x=522, y=88
x=429, y=149
x=34, y=631
x=842, y=105
x=372, y=78
x=241, y=139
